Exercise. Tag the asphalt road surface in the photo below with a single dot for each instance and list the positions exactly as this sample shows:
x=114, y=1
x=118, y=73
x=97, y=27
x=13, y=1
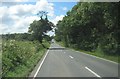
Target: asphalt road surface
x=61, y=62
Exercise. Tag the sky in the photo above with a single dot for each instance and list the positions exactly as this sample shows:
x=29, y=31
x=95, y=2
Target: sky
x=16, y=15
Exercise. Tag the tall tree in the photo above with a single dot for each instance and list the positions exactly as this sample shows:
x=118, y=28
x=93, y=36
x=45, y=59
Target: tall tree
x=39, y=28
x=91, y=25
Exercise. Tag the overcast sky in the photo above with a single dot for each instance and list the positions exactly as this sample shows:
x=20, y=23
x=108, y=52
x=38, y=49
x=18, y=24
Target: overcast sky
x=17, y=15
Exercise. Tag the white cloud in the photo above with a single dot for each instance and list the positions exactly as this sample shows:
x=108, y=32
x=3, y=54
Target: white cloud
x=2, y=28
x=57, y=18
x=17, y=0
x=16, y=18
x=45, y=6
x=21, y=0
x=21, y=25
x=22, y=9
x=64, y=8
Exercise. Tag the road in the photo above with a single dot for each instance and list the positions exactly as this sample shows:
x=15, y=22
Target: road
x=61, y=62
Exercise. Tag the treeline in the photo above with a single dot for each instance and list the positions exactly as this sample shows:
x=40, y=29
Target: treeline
x=18, y=36
x=22, y=51
x=23, y=37
x=91, y=26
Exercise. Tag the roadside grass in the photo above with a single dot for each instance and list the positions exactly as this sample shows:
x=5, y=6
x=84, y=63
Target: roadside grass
x=25, y=70
x=20, y=57
x=0, y=56
x=102, y=55
x=0, y=63
x=97, y=53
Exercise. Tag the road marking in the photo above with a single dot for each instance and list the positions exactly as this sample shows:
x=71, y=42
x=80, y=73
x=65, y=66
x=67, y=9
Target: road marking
x=40, y=65
x=97, y=57
x=71, y=57
x=92, y=72
x=64, y=52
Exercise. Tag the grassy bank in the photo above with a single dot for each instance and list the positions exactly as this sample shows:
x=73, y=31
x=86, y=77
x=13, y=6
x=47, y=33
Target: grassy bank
x=20, y=57
x=97, y=53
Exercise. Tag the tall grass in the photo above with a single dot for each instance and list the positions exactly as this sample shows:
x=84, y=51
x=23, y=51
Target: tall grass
x=20, y=57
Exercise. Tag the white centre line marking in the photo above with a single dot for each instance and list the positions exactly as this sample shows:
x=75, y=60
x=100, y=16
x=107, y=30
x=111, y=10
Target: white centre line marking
x=71, y=57
x=92, y=72
x=40, y=65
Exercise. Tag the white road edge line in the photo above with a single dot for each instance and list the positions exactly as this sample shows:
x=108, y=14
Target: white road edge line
x=41, y=64
x=92, y=72
x=98, y=57
x=71, y=57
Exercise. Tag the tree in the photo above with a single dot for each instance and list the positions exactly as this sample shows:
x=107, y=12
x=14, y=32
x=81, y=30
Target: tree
x=91, y=25
x=39, y=28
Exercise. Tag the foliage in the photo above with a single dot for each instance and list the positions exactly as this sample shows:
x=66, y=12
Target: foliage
x=89, y=26
x=18, y=36
x=22, y=51
x=17, y=54
x=39, y=28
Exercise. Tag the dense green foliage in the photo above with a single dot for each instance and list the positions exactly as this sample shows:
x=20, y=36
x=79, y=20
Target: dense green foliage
x=91, y=27
x=23, y=37
x=17, y=54
x=18, y=37
x=38, y=29
x=21, y=52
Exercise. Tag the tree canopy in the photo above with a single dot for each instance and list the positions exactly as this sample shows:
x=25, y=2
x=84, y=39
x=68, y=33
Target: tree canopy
x=39, y=28
x=89, y=26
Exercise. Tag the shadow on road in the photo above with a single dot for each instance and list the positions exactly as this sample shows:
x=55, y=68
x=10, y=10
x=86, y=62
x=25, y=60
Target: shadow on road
x=56, y=48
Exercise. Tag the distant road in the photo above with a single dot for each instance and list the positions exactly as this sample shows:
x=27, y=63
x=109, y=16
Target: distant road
x=61, y=62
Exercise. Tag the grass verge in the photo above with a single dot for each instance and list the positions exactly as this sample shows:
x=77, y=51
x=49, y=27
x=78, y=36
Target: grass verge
x=20, y=57
x=97, y=53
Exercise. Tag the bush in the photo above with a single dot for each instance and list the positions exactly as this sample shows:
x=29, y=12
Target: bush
x=109, y=45
x=16, y=53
